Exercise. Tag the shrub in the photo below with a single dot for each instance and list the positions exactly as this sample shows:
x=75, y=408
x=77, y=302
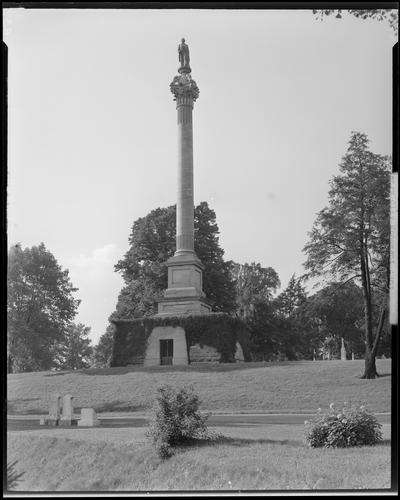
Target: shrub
x=338, y=428
x=176, y=419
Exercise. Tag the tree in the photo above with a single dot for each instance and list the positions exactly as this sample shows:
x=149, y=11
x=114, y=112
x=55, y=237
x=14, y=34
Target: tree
x=103, y=350
x=254, y=285
x=75, y=351
x=152, y=243
x=273, y=333
x=289, y=320
x=40, y=307
x=264, y=335
x=336, y=311
x=391, y=15
x=291, y=298
x=350, y=238
x=218, y=284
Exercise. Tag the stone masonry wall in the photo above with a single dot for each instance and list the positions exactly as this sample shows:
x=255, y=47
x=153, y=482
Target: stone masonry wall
x=204, y=354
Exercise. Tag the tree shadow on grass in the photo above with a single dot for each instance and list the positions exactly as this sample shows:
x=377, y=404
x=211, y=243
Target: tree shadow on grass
x=233, y=441
x=61, y=373
x=13, y=477
x=240, y=442
x=193, y=367
x=14, y=404
x=117, y=406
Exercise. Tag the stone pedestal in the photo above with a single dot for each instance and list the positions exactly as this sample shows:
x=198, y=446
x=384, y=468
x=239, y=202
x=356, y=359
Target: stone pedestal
x=184, y=294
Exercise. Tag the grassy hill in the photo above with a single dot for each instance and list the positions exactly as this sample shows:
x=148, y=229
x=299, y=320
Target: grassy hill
x=297, y=386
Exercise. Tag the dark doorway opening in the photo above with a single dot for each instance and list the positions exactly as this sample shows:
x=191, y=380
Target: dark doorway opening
x=166, y=351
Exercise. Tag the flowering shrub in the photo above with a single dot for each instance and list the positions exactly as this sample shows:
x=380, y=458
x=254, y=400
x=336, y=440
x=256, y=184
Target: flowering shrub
x=176, y=419
x=338, y=428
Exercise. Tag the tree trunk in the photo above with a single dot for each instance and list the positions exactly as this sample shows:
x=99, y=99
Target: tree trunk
x=370, y=352
x=370, y=355
x=9, y=364
x=370, y=366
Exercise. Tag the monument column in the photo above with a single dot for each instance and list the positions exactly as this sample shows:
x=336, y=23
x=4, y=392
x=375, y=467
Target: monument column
x=185, y=284
x=185, y=202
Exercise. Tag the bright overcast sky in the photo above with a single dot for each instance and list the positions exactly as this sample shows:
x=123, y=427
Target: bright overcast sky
x=92, y=128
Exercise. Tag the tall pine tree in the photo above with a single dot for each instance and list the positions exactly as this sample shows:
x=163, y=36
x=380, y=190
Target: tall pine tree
x=350, y=237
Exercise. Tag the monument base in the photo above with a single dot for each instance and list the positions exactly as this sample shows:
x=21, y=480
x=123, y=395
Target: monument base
x=183, y=305
x=184, y=294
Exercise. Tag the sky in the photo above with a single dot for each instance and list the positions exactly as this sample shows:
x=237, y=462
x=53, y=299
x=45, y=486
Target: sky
x=92, y=137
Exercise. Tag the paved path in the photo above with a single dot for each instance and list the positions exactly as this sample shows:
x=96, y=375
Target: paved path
x=24, y=422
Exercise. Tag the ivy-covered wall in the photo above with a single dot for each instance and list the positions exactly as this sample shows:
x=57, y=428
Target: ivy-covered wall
x=218, y=330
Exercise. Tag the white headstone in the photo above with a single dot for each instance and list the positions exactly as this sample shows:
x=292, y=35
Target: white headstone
x=239, y=356
x=88, y=418
x=343, y=352
x=55, y=407
x=68, y=409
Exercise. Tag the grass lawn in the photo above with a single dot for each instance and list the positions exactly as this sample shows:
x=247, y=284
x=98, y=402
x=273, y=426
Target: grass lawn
x=270, y=457
x=292, y=386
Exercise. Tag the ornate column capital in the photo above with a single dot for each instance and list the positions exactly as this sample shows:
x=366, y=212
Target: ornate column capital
x=184, y=86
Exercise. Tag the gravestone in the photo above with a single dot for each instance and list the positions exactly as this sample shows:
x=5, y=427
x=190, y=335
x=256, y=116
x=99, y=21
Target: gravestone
x=53, y=418
x=343, y=352
x=88, y=418
x=67, y=417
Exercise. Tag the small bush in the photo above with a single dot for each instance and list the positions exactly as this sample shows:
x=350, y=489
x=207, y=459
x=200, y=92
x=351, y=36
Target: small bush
x=176, y=419
x=339, y=428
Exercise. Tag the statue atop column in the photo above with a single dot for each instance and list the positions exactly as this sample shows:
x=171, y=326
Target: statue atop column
x=182, y=84
x=183, y=54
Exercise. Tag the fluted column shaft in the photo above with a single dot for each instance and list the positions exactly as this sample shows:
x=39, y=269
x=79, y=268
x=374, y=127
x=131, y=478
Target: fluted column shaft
x=185, y=201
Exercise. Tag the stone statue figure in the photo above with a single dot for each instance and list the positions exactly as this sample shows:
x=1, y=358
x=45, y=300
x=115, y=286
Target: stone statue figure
x=183, y=52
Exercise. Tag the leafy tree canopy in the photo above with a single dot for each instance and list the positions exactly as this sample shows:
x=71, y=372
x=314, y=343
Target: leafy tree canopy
x=336, y=311
x=254, y=285
x=75, y=351
x=103, y=350
x=291, y=298
x=40, y=307
x=152, y=243
x=389, y=15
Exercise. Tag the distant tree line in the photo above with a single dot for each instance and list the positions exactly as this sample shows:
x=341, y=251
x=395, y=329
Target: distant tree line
x=348, y=248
